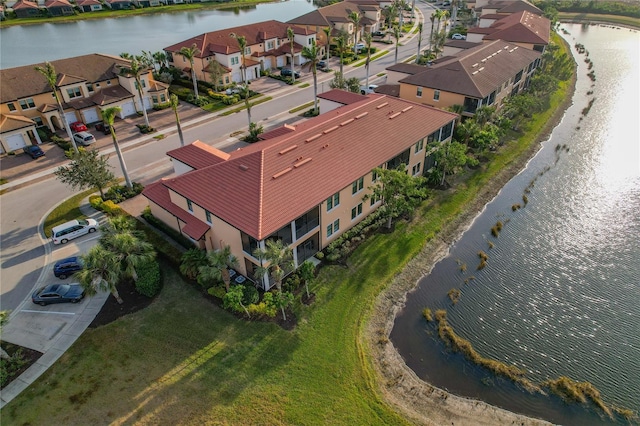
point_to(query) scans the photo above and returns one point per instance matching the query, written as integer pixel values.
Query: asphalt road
(26, 257)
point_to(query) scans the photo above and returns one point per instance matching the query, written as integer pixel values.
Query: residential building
(86, 85)
(303, 185)
(268, 46)
(523, 28)
(481, 76)
(336, 17)
(89, 5)
(26, 9)
(59, 7)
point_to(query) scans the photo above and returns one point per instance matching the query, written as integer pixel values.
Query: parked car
(286, 72)
(78, 126)
(105, 128)
(66, 267)
(458, 36)
(365, 90)
(321, 65)
(34, 151)
(378, 34)
(232, 91)
(84, 138)
(75, 228)
(358, 47)
(58, 293)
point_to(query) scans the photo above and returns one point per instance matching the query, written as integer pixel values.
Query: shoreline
(416, 399)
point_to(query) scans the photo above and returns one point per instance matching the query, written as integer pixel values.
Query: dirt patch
(112, 310)
(399, 385)
(27, 358)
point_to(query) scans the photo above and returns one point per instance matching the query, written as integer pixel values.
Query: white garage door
(90, 115)
(15, 142)
(128, 109)
(70, 117)
(147, 103)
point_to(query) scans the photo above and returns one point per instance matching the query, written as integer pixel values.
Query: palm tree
(160, 58)
(101, 272)
(130, 250)
(217, 267)
(49, 72)
(327, 32)
(419, 42)
(291, 34)
(368, 38)
(307, 273)
(397, 34)
(310, 53)
(189, 53)
(108, 116)
(390, 14)
(341, 43)
(242, 45)
(355, 18)
(137, 66)
(173, 101)
(400, 5)
(191, 262)
(278, 259)
(432, 18)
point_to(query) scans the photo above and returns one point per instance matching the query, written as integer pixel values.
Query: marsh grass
(515, 207)
(454, 295)
(427, 314)
(573, 391)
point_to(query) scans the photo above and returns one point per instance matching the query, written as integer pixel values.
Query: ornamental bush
(95, 201)
(149, 282)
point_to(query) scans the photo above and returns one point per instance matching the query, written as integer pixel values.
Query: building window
(374, 199)
(154, 98)
(207, 214)
(234, 60)
(247, 51)
(374, 175)
(419, 92)
(310, 41)
(333, 201)
(419, 145)
(90, 87)
(38, 121)
(11, 106)
(415, 169)
(226, 79)
(356, 211)
(270, 45)
(436, 95)
(27, 103)
(108, 82)
(357, 185)
(333, 228)
(74, 93)
(190, 205)
(163, 98)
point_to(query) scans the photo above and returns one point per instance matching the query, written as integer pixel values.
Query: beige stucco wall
(447, 99)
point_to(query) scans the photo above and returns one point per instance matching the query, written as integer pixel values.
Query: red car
(78, 126)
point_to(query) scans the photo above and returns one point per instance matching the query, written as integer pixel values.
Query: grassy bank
(625, 21)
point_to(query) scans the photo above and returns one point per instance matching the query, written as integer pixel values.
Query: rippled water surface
(561, 291)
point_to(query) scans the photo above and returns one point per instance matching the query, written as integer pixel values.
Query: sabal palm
(189, 53)
(217, 267)
(191, 262)
(137, 66)
(108, 116)
(275, 260)
(244, 91)
(341, 43)
(432, 18)
(368, 38)
(355, 18)
(173, 101)
(130, 250)
(101, 272)
(397, 34)
(310, 53)
(49, 73)
(419, 41)
(327, 32)
(291, 35)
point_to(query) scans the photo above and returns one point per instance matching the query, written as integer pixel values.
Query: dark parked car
(286, 72)
(66, 267)
(104, 128)
(58, 293)
(322, 65)
(34, 151)
(78, 126)
(378, 34)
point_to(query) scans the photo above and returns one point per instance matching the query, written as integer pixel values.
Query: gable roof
(24, 4)
(14, 122)
(222, 42)
(341, 96)
(510, 6)
(404, 68)
(25, 81)
(272, 182)
(337, 12)
(520, 27)
(198, 155)
(57, 3)
(476, 72)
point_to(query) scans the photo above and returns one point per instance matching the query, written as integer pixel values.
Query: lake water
(560, 292)
(30, 44)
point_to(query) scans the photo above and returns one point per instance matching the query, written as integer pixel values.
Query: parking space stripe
(47, 312)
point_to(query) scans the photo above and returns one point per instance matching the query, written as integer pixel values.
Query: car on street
(105, 128)
(58, 293)
(286, 72)
(365, 90)
(378, 34)
(78, 126)
(232, 91)
(458, 36)
(34, 151)
(84, 138)
(61, 234)
(66, 267)
(321, 65)
(358, 47)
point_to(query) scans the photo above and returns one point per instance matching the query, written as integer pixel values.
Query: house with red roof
(26, 9)
(304, 185)
(524, 28)
(268, 47)
(59, 7)
(89, 5)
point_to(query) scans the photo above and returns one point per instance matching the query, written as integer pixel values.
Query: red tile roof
(159, 194)
(270, 183)
(341, 96)
(24, 4)
(520, 27)
(198, 155)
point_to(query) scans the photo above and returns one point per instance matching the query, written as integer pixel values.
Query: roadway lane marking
(47, 312)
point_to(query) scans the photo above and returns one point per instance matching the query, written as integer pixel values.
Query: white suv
(365, 90)
(84, 138)
(67, 231)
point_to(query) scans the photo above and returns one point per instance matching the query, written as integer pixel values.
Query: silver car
(84, 138)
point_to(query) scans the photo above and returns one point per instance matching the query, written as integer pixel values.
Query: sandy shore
(399, 385)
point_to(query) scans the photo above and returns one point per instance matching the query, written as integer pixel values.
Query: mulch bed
(112, 310)
(29, 357)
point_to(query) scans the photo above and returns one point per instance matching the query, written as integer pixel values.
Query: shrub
(217, 291)
(160, 107)
(119, 193)
(249, 295)
(95, 201)
(292, 282)
(271, 309)
(111, 208)
(149, 282)
(144, 129)
(257, 309)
